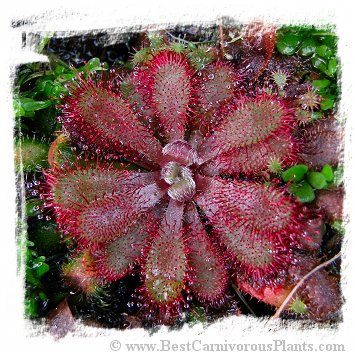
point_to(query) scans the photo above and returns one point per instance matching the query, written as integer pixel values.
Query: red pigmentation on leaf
(192, 215)
(208, 274)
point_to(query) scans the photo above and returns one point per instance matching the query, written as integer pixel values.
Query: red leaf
(110, 217)
(208, 275)
(171, 92)
(214, 89)
(115, 259)
(165, 265)
(251, 127)
(256, 223)
(96, 115)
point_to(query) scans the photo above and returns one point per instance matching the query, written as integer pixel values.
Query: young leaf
(317, 180)
(19, 111)
(319, 63)
(332, 66)
(40, 266)
(295, 173)
(31, 105)
(321, 83)
(303, 191)
(288, 43)
(327, 172)
(323, 51)
(327, 104)
(308, 47)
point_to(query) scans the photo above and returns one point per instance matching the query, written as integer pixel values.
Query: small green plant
(305, 182)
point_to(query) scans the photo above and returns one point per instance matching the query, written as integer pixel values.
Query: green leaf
(329, 39)
(30, 254)
(317, 180)
(44, 86)
(326, 104)
(329, 96)
(66, 77)
(59, 70)
(324, 34)
(32, 278)
(295, 173)
(321, 83)
(29, 114)
(94, 65)
(324, 51)
(319, 63)
(327, 172)
(31, 307)
(41, 74)
(19, 111)
(31, 105)
(23, 75)
(332, 66)
(50, 88)
(308, 47)
(288, 43)
(303, 192)
(56, 90)
(40, 266)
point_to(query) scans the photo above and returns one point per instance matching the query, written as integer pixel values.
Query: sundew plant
(181, 175)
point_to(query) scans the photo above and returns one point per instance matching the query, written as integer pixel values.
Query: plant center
(180, 178)
(178, 156)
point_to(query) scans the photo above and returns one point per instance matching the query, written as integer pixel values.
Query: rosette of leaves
(170, 182)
